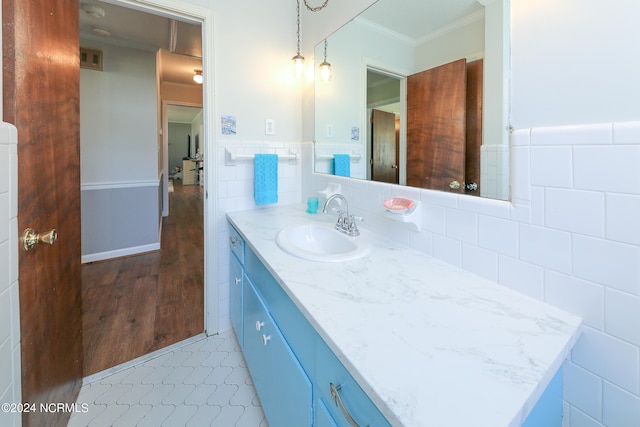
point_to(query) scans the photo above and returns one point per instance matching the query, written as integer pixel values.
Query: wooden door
(384, 147)
(436, 121)
(41, 98)
(474, 126)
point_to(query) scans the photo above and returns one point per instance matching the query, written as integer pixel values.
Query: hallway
(138, 304)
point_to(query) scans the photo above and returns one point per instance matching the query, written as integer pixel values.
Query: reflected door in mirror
(384, 147)
(474, 126)
(436, 127)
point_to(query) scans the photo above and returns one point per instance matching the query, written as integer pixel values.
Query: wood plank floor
(138, 304)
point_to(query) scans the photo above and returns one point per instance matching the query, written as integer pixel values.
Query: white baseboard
(101, 256)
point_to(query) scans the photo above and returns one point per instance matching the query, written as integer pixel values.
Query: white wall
(570, 234)
(119, 154)
(177, 144)
(463, 42)
(340, 103)
(197, 129)
(118, 120)
(574, 62)
(254, 43)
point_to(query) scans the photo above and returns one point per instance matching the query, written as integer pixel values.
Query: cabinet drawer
(323, 416)
(235, 298)
(329, 370)
(283, 386)
(236, 244)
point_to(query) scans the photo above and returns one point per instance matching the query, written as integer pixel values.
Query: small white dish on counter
(399, 205)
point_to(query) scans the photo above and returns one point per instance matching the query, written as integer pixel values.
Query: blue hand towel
(342, 164)
(265, 182)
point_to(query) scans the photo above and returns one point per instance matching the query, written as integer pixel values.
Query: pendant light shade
(197, 77)
(298, 65)
(325, 67)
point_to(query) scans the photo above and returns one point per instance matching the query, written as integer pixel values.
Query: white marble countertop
(431, 344)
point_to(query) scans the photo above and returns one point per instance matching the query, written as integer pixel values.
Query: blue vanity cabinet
(236, 261)
(236, 284)
(295, 327)
(322, 416)
(282, 384)
(290, 365)
(548, 409)
(339, 393)
(236, 244)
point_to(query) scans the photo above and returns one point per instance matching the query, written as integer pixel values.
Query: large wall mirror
(418, 96)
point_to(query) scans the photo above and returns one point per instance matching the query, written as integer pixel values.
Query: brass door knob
(30, 238)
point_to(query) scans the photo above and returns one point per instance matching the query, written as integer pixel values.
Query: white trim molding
(118, 184)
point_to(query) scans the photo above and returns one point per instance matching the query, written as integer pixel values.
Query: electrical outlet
(270, 127)
(329, 131)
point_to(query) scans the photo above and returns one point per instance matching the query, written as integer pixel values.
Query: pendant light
(298, 60)
(325, 67)
(197, 77)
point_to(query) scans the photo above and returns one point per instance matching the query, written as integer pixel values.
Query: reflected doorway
(384, 110)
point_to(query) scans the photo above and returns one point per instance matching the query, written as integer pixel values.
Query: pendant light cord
(298, 33)
(315, 9)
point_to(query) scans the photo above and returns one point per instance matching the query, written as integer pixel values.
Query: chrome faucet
(346, 223)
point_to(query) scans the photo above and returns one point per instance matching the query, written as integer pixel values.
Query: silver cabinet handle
(338, 401)
(234, 242)
(237, 280)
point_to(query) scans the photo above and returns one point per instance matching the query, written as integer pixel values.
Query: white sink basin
(321, 243)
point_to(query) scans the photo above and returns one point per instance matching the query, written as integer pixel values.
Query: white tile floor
(205, 383)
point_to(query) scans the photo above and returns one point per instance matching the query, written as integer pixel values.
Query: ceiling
(182, 114)
(416, 19)
(180, 42)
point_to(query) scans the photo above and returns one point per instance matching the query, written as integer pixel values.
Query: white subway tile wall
(235, 193)
(10, 387)
(494, 171)
(570, 236)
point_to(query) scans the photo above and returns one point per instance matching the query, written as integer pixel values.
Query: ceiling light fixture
(92, 10)
(197, 77)
(101, 31)
(298, 60)
(325, 67)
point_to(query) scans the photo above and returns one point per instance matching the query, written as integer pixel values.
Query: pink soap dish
(398, 205)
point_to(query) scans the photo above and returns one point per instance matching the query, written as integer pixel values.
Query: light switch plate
(270, 127)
